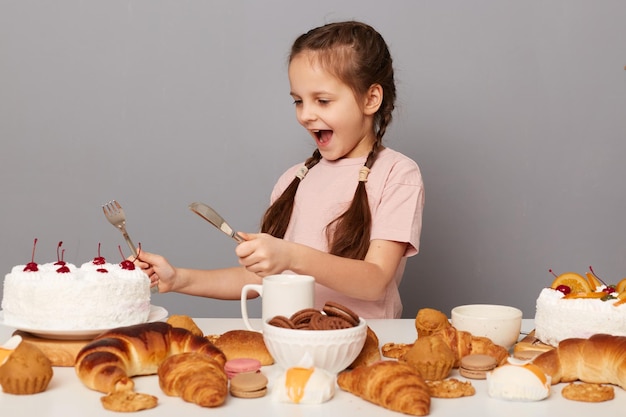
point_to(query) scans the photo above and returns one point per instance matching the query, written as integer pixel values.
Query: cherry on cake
(61, 296)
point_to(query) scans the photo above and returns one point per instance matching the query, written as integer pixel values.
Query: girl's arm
(367, 279)
(222, 284)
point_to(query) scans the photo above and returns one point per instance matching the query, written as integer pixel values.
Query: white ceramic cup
(282, 295)
(501, 324)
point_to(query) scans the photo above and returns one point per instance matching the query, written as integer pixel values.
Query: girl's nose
(307, 114)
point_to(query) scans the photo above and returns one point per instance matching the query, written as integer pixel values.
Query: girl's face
(340, 123)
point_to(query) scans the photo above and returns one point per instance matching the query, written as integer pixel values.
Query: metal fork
(115, 215)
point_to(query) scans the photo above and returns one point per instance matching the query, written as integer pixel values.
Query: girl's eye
(297, 102)
(323, 102)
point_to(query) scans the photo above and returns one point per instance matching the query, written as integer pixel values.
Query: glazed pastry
(195, 377)
(25, 369)
(518, 381)
(107, 363)
(393, 385)
(304, 385)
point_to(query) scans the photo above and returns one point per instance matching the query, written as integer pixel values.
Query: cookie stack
(333, 316)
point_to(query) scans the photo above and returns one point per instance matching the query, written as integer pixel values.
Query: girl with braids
(351, 214)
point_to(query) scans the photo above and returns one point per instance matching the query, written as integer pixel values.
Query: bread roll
(600, 359)
(107, 363)
(244, 344)
(429, 321)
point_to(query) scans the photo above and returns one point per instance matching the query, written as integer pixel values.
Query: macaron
(476, 366)
(241, 365)
(248, 385)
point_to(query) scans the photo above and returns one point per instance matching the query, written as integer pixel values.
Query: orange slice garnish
(621, 286)
(594, 282)
(576, 282)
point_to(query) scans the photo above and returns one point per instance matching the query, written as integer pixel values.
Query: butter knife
(210, 215)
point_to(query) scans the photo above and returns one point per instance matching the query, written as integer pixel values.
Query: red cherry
(609, 290)
(126, 264)
(564, 289)
(32, 265)
(102, 270)
(63, 270)
(99, 260)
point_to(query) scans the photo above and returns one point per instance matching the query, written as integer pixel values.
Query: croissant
(107, 363)
(464, 343)
(390, 384)
(600, 359)
(195, 377)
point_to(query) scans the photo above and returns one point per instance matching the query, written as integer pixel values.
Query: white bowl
(501, 324)
(331, 350)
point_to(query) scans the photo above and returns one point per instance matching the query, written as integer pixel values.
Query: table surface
(67, 397)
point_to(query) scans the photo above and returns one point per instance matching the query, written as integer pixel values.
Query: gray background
(514, 110)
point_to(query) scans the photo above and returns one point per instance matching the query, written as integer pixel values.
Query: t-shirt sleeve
(398, 216)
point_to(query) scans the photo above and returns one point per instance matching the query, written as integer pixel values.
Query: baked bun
(243, 344)
(432, 357)
(429, 321)
(26, 369)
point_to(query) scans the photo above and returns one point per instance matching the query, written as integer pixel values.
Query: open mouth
(323, 136)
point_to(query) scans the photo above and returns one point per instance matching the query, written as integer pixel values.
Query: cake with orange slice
(577, 306)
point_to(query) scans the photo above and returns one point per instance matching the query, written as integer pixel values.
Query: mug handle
(244, 302)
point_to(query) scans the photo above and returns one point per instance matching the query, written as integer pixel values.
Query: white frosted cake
(558, 318)
(61, 296)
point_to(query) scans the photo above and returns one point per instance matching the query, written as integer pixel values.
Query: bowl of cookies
(328, 339)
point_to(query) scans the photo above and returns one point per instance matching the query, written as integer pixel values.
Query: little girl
(352, 213)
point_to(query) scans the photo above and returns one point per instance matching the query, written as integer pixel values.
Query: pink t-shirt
(396, 196)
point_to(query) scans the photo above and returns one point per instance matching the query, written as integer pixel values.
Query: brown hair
(357, 55)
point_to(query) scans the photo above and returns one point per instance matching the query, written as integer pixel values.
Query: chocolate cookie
(334, 309)
(302, 318)
(281, 321)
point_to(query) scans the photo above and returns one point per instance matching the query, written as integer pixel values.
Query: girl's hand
(263, 254)
(158, 269)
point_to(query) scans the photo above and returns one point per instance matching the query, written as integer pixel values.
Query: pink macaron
(241, 365)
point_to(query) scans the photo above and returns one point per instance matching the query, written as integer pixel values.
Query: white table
(67, 397)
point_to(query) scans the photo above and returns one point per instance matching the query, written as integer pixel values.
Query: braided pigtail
(350, 233)
(278, 215)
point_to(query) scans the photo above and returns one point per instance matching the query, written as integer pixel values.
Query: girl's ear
(373, 99)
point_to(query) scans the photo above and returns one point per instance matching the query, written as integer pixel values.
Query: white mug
(282, 295)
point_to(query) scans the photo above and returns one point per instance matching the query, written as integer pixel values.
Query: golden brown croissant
(107, 363)
(464, 343)
(601, 359)
(195, 377)
(393, 385)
